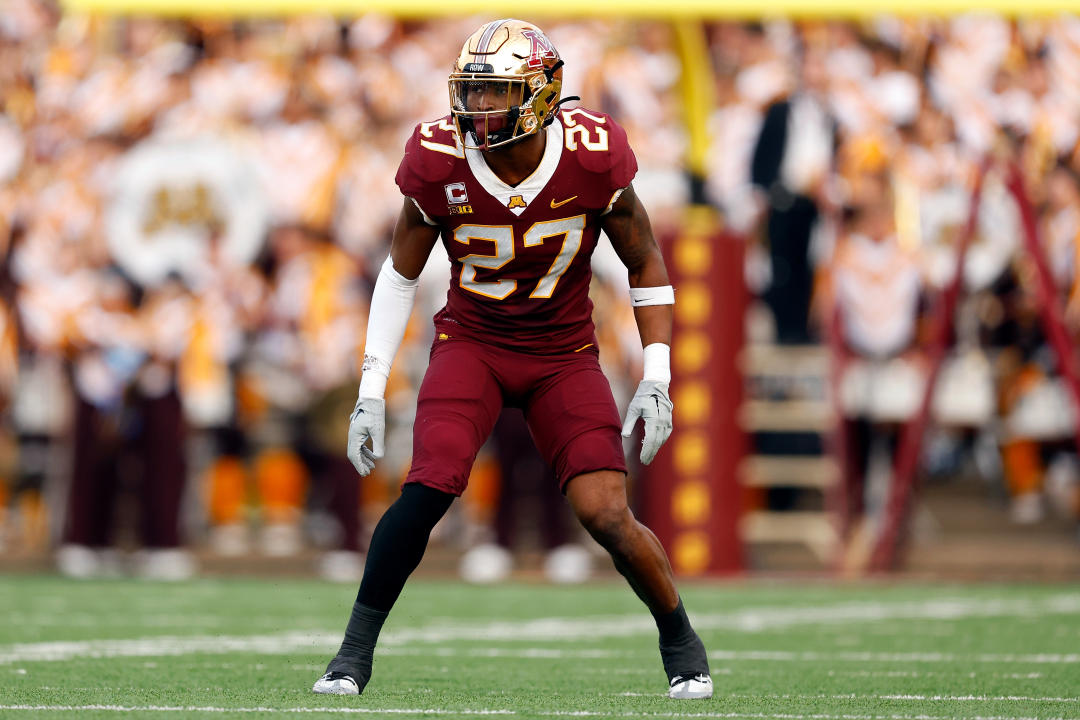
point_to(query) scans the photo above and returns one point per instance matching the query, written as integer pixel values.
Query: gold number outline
(574, 133)
(573, 231)
(502, 289)
(457, 149)
(571, 228)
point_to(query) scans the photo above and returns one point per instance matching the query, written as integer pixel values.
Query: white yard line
(908, 657)
(786, 716)
(289, 643)
(853, 696)
(902, 696)
(936, 609)
(964, 698)
(203, 709)
(756, 655)
(928, 674)
(149, 620)
(746, 620)
(494, 711)
(159, 646)
(584, 628)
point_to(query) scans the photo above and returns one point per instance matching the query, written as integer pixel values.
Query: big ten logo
(186, 206)
(460, 209)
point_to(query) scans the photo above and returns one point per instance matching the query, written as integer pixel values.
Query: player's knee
(607, 521)
(419, 507)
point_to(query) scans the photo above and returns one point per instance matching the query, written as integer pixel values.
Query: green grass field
(245, 648)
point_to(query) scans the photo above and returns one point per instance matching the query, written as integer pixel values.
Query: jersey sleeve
(623, 162)
(409, 178)
(616, 164)
(426, 162)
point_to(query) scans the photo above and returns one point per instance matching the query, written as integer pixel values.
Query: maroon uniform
(517, 326)
(521, 271)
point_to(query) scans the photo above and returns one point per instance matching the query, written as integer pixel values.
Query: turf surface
(244, 648)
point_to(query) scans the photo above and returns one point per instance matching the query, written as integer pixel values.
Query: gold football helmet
(505, 84)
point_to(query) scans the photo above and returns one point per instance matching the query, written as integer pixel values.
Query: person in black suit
(791, 160)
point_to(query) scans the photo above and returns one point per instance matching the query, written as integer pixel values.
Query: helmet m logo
(539, 48)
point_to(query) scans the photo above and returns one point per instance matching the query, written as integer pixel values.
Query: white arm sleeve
(657, 362)
(391, 305)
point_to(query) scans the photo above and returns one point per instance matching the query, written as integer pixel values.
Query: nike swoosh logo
(560, 204)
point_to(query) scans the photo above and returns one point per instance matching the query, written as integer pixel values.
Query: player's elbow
(648, 271)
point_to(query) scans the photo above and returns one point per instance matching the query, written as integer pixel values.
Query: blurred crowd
(192, 214)
(849, 154)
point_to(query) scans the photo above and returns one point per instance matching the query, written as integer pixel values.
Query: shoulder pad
(430, 155)
(600, 145)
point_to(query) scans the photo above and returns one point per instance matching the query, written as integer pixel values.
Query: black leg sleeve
(398, 544)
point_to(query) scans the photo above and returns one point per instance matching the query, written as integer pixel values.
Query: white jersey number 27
(572, 229)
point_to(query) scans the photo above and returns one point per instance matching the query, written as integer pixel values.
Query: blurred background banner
(179, 207)
(690, 496)
(195, 199)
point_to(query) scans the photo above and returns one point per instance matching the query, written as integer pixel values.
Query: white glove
(652, 404)
(368, 420)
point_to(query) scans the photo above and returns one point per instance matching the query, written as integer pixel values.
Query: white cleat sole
(697, 688)
(341, 686)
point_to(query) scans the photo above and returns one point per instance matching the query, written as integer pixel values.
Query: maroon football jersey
(520, 255)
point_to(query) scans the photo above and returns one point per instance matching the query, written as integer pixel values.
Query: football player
(518, 189)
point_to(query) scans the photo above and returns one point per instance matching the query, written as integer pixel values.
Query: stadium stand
(266, 150)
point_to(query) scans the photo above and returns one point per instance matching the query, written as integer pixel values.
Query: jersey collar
(527, 190)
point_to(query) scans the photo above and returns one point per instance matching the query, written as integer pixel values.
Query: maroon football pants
(566, 400)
